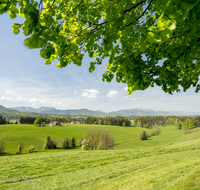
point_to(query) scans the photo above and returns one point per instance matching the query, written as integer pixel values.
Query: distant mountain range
(86, 112)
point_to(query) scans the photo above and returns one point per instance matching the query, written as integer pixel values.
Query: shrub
(50, 144)
(65, 143)
(73, 142)
(124, 124)
(39, 147)
(16, 122)
(20, 148)
(143, 135)
(98, 139)
(80, 141)
(31, 149)
(85, 144)
(2, 148)
(178, 125)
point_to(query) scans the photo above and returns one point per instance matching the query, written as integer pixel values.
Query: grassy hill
(171, 167)
(125, 137)
(168, 161)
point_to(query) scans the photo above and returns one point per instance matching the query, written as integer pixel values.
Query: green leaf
(15, 30)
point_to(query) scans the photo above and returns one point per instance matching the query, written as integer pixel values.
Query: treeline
(64, 119)
(2, 120)
(150, 121)
(188, 123)
(181, 122)
(119, 121)
(30, 120)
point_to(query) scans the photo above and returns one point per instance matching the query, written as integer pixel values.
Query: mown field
(170, 160)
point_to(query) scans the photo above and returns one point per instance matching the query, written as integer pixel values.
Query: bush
(124, 124)
(20, 148)
(155, 132)
(31, 149)
(98, 139)
(50, 144)
(39, 147)
(64, 143)
(143, 136)
(80, 140)
(85, 144)
(178, 125)
(73, 142)
(2, 148)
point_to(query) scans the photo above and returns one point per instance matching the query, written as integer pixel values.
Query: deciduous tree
(136, 35)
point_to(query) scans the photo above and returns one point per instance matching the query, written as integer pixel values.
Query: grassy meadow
(170, 160)
(125, 137)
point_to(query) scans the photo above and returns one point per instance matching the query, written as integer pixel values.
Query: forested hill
(14, 114)
(86, 112)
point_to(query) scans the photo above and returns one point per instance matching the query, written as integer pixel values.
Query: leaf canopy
(134, 34)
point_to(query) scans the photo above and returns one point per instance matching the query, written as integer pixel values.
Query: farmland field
(170, 160)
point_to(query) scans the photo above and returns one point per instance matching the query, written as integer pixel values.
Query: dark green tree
(143, 135)
(73, 142)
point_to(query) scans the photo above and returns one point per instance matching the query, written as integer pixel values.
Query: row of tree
(150, 121)
(30, 120)
(119, 121)
(189, 123)
(181, 122)
(2, 120)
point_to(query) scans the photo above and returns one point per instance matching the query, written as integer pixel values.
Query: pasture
(125, 137)
(168, 161)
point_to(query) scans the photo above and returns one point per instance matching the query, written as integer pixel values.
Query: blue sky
(27, 81)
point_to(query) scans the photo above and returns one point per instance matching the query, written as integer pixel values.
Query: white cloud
(8, 92)
(34, 100)
(75, 91)
(125, 88)
(135, 98)
(92, 93)
(20, 99)
(42, 101)
(112, 93)
(7, 98)
(57, 103)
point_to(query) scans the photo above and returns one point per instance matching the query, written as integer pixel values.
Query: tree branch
(136, 5)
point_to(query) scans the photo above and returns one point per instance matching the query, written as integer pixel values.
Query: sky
(26, 81)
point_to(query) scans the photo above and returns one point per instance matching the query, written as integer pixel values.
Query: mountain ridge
(87, 112)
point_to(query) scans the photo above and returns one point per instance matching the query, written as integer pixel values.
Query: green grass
(174, 166)
(125, 137)
(168, 161)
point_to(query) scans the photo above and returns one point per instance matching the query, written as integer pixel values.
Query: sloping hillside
(171, 167)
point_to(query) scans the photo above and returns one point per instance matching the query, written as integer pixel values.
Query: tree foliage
(20, 148)
(143, 136)
(2, 148)
(97, 139)
(135, 35)
(50, 143)
(2, 120)
(108, 121)
(38, 121)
